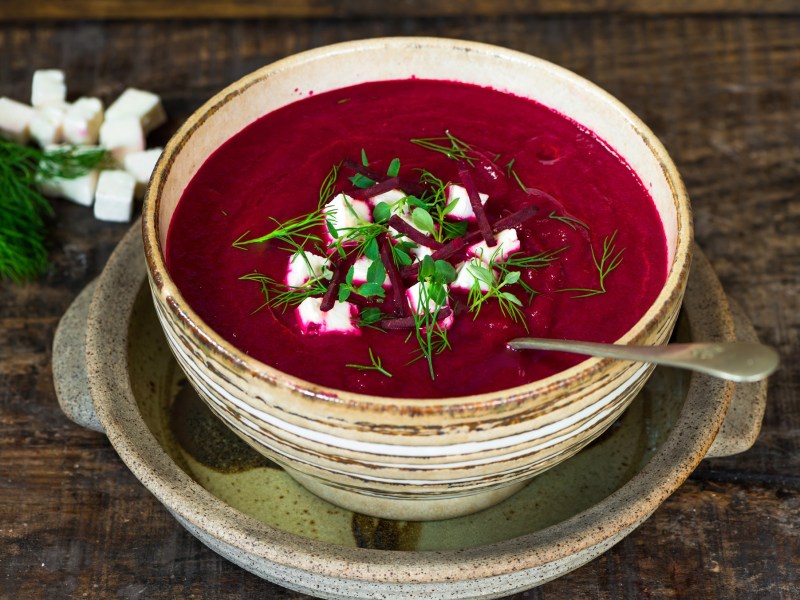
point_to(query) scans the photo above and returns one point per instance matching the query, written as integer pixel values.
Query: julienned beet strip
(413, 233)
(378, 188)
(362, 170)
(410, 322)
(477, 206)
(332, 292)
(516, 218)
(398, 288)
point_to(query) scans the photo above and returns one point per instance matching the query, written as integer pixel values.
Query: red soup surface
(590, 257)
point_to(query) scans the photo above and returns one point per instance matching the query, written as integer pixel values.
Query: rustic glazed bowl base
(244, 507)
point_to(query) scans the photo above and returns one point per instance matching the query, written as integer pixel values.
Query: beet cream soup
(389, 238)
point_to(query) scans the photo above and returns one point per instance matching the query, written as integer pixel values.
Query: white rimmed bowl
(411, 458)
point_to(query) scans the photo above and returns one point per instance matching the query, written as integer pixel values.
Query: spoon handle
(735, 361)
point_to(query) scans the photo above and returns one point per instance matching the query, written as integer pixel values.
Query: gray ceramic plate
(110, 346)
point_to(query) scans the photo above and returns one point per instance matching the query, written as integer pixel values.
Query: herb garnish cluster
(413, 249)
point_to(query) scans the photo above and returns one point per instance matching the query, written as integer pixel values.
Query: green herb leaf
(364, 160)
(422, 220)
(361, 181)
(394, 168)
(381, 212)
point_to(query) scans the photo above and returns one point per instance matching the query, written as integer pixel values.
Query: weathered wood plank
(349, 9)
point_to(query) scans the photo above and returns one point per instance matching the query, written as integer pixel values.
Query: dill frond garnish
(23, 254)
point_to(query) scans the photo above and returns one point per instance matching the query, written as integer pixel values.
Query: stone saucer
(114, 373)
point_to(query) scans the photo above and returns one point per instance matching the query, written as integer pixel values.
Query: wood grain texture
(350, 9)
(722, 92)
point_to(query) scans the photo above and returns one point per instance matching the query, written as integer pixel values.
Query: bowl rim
(686, 445)
(501, 400)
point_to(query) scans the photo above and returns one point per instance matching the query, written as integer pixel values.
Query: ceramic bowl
(411, 458)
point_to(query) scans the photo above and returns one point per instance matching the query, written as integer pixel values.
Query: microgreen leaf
(381, 212)
(361, 181)
(376, 273)
(364, 160)
(394, 168)
(423, 220)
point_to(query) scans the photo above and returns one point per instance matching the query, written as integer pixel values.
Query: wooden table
(719, 82)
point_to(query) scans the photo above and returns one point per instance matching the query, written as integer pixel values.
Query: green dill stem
(608, 261)
(376, 365)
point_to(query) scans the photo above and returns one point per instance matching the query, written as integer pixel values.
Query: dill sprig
(571, 221)
(23, 254)
(450, 146)
(375, 365)
(609, 260)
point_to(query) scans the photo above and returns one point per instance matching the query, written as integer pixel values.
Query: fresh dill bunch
(23, 254)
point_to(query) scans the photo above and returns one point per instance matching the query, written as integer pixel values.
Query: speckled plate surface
(110, 346)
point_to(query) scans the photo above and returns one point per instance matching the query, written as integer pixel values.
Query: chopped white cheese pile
(463, 207)
(507, 243)
(339, 319)
(121, 130)
(113, 200)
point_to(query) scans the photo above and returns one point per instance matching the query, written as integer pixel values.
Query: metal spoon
(735, 361)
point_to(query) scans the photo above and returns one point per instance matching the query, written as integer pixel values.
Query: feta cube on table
(141, 164)
(15, 120)
(114, 196)
(47, 125)
(79, 190)
(82, 121)
(339, 319)
(298, 273)
(507, 243)
(122, 137)
(48, 88)
(143, 106)
(463, 207)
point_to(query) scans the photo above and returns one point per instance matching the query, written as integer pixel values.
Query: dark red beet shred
(274, 168)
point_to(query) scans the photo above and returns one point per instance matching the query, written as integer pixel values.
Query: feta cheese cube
(414, 296)
(113, 199)
(82, 121)
(421, 252)
(468, 274)
(345, 213)
(15, 120)
(305, 267)
(122, 136)
(390, 197)
(47, 125)
(48, 88)
(507, 243)
(360, 269)
(463, 207)
(141, 165)
(143, 106)
(79, 190)
(339, 319)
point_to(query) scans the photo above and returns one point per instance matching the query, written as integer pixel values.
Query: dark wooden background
(718, 81)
